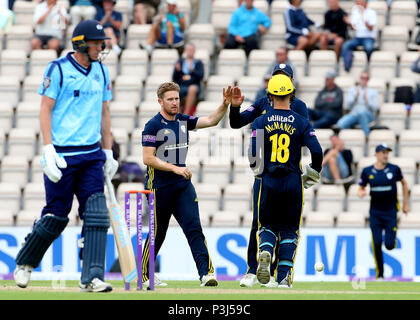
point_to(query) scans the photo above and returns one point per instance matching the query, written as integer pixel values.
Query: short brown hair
(166, 86)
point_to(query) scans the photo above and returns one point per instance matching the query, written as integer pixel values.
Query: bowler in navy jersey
(382, 178)
(165, 144)
(275, 155)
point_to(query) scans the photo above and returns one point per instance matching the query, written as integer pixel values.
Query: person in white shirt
(362, 105)
(50, 22)
(363, 21)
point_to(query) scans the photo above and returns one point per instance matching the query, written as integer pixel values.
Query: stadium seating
(259, 61)
(350, 220)
(226, 219)
(237, 197)
(134, 62)
(218, 156)
(14, 169)
(319, 219)
(13, 62)
(208, 195)
(231, 62)
(403, 13)
(330, 198)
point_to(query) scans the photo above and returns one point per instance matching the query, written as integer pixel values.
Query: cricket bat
(122, 237)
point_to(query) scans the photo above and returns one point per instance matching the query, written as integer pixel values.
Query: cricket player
(74, 118)
(382, 178)
(239, 119)
(275, 154)
(165, 144)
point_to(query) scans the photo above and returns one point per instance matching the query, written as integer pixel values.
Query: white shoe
(263, 270)
(96, 285)
(22, 275)
(271, 284)
(248, 280)
(158, 283)
(209, 280)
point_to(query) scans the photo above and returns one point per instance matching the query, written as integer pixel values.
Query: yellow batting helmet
(280, 85)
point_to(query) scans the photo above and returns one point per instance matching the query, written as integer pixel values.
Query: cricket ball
(319, 266)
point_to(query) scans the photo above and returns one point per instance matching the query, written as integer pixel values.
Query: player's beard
(172, 110)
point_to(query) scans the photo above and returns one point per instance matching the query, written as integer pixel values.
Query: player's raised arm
(238, 119)
(214, 118)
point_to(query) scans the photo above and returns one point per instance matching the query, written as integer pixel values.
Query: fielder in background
(165, 144)
(239, 119)
(74, 117)
(275, 154)
(382, 178)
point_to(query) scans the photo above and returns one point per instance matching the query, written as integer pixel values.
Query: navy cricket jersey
(383, 187)
(170, 138)
(239, 119)
(283, 133)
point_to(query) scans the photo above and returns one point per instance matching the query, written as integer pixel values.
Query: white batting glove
(51, 161)
(310, 177)
(111, 165)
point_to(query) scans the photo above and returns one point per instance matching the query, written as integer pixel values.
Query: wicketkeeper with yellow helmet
(275, 155)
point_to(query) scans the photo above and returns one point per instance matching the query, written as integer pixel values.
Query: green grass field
(227, 290)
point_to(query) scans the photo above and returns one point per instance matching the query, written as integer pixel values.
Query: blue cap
(382, 147)
(89, 30)
(283, 67)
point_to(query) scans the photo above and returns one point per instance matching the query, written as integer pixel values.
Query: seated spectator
(50, 22)
(188, 74)
(145, 11)
(246, 26)
(328, 104)
(363, 20)
(362, 104)
(112, 22)
(415, 67)
(335, 27)
(298, 25)
(283, 57)
(81, 10)
(263, 91)
(168, 29)
(337, 162)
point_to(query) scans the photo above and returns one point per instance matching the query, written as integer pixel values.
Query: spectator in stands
(168, 29)
(415, 67)
(337, 162)
(188, 74)
(50, 21)
(282, 56)
(363, 20)
(263, 91)
(145, 11)
(328, 103)
(7, 16)
(112, 22)
(362, 104)
(81, 10)
(298, 25)
(246, 26)
(336, 21)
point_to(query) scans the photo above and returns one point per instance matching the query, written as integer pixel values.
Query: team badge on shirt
(389, 175)
(46, 83)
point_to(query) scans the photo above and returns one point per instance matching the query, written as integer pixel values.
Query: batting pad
(95, 224)
(44, 232)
